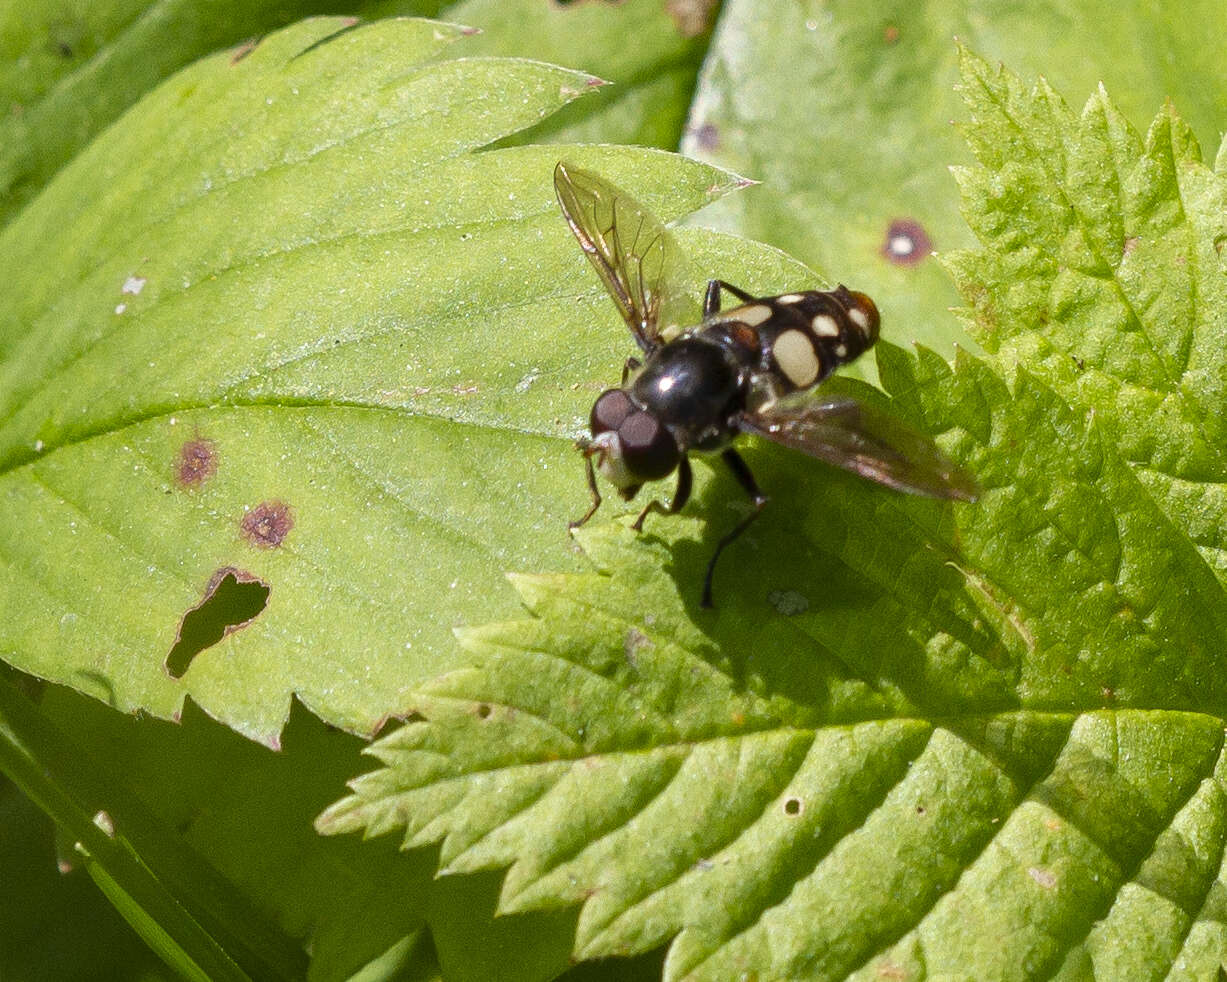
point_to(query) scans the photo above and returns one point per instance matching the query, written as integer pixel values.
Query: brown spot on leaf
(907, 243)
(1131, 243)
(691, 17)
(706, 136)
(267, 525)
(890, 34)
(243, 50)
(231, 601)
(197, 463)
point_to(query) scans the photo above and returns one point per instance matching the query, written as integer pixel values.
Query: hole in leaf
(792, 806)
(484, 711)
(233, 600)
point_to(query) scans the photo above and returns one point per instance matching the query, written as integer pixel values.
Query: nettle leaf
(1103, 270)
(915, 741)
(289, 360)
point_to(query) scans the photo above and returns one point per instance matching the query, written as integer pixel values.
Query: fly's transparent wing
(633, 253)
(858, 438)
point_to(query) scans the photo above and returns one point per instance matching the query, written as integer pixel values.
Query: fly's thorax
(690, 384)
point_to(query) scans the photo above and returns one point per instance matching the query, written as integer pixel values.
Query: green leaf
(916, 740)
(248, 813)
(1103, 271)
(974, 747)
(69, 69)
(843, 110)
(54, 926)
(284, 329)
(652, 78)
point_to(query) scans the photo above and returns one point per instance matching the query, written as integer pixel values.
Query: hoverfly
(745, 369)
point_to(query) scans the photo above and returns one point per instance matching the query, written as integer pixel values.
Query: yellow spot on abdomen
(796, 357)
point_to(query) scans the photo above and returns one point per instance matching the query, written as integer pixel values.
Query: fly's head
(631, 445)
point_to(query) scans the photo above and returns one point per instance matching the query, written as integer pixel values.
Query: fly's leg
(632, 365)
(711, 300)
(680, 497)
(596, 495)
(740, 471)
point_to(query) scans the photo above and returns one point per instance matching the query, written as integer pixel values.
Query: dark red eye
(611, 407)
(648, 449)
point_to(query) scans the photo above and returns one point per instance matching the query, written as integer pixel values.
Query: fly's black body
(741, 370)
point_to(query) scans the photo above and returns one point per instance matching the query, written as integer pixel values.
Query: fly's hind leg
(711, 300)
(680, 497)
(740, 471)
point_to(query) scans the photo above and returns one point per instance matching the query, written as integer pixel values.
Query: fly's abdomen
(802, 337)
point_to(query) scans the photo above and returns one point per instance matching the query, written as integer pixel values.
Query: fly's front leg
(711, 300)
(742, 472)
(632, 365)
(680, 497)
(596, 495)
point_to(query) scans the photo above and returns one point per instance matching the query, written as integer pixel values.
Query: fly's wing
(858, 438)
(635, 256)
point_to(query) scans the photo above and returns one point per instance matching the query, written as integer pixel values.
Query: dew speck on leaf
(267, 525)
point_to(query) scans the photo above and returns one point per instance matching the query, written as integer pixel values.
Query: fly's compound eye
(648, 449)
(609, 411)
